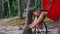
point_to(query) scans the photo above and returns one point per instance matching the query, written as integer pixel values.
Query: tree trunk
(8, 7)
(1, 9)
(10, 2)
(39, 1)
(25, 4)
(29, 16)
(19, 9)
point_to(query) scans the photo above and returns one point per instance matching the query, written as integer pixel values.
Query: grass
(19, 22)
(14, 23)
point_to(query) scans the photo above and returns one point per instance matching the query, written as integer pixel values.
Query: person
(39, 25)
(53, 14)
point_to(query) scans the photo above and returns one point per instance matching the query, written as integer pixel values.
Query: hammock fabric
(54, 11)
(46, 4)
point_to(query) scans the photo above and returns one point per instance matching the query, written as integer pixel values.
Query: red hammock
(53, 9)
(46, 4)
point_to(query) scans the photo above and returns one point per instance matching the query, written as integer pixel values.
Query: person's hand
(30, 26)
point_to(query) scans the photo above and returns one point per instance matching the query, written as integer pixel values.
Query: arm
(38, 20)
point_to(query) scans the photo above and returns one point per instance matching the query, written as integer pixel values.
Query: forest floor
(12, 21)
(12, 26)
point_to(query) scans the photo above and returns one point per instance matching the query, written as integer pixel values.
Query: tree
(19, 9)
(1, 9)
(10, 2)
(29, 16)
(8, 7)
(25, 4)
